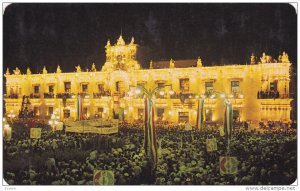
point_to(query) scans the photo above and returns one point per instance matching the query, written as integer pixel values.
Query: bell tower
(121, 56)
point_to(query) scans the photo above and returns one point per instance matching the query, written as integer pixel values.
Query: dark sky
(70, 34)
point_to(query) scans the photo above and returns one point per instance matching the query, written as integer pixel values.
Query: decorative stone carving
(78, 68)
(199, 62)
(172, 63)
(17, 71)
(28, 71)
(93, 68)
(45, 70)
(58, 70)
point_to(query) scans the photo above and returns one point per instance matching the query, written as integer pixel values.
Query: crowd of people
(60, 158)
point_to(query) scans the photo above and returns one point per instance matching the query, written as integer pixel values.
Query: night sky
(70, 34)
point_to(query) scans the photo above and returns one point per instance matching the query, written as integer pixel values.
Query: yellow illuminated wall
(121, 72)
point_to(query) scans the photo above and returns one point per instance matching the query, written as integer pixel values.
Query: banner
(35, 133)
(228, 122)
(7, 132)
(103, 177)
(199, 124)
(79, 108)
(188, 127)
(228, 165)
(211, 145)
(150, 144)
(100, 126)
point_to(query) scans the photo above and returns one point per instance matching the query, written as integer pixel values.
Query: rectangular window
(183, 117)
(66, 113)
(208, 115)
(36, 89)
(36, 111)
(120, 87)
(84, 87)
(184, 85)
(236, 115)
(209, 87)
(100, 112)
(273, 85)
(160, 113)
(235, 86)
(51, 89)
(161, 84)
(11, 91)
(100, 88)
(50, 111)
(67, 86)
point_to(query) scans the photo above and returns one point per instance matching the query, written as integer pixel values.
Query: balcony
(64, 95)
(34, 96)
(271, 95)
(101, 94)
(49, 95)
(12, 96)
(177, 95)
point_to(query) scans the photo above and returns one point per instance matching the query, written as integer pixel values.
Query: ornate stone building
(258, 92)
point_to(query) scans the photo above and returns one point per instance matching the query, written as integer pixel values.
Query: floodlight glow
(171, 92)
(137, 91)
(161, 93)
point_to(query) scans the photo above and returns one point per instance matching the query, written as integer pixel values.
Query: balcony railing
(49, 95)
(34, 96)
(64, 95)
(271, 95)
(12, 96)
(101, 94)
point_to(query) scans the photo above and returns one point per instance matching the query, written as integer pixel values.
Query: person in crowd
(58, 158)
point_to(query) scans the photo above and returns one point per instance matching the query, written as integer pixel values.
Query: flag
(228, 165)
(211, 145)
(228, 122)
(200, 114)
(103, 177)
(79, 108)
(150, 144)
(35, 133)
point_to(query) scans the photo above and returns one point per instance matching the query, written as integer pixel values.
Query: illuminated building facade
(258, 91)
